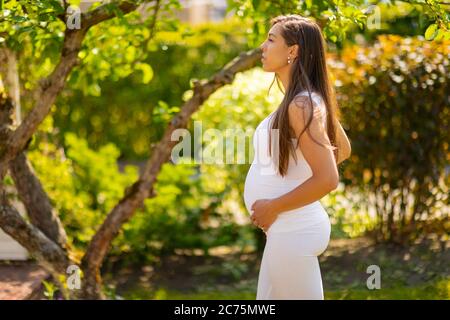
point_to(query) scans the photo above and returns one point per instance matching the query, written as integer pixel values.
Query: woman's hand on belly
(263, 214)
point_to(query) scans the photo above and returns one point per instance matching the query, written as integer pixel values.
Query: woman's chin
(264, 67)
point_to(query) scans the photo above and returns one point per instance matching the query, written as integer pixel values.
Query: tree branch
(48, 253)
(28, 185)
(103, 12)
(36, 201)
(141, 189)
(10, 74)
(6, 110)
(51, 86)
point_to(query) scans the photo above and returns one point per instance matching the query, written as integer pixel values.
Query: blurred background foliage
(400, 87)
(139, 111)
(203, 203)
(392, 84)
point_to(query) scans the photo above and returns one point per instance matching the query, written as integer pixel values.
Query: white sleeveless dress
(289, 267)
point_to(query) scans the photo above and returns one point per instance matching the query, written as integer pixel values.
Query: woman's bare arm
(343, 143)
(325, 175)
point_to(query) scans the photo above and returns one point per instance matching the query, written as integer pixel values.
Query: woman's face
(274, 51)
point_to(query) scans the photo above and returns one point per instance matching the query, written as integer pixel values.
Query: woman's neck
(284, 76)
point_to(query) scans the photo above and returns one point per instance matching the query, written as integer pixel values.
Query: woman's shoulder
(301, 109)
(317, 97)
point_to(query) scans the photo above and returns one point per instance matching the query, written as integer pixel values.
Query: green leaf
(18, 19)
(56, 5)
(431, 32)
(440, 35)
(147, 72)
(447, 35)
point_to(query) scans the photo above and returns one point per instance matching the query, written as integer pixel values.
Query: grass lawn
(420, 271)
(437, 290)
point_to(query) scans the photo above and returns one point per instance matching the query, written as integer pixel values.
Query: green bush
(394, 105)
(85, 184)
(201, 205)
(139, 111)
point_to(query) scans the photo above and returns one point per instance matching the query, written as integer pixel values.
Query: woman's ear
(294, 50)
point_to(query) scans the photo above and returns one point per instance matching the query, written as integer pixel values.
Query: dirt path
(20, 280)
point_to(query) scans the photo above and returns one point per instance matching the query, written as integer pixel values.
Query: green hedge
(394, 104)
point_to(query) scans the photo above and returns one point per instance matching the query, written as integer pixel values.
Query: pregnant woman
(297, 150)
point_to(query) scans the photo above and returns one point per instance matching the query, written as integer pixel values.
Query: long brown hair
(308, 73)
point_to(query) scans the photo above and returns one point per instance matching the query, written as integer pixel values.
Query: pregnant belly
(264, 186)
(268, 186)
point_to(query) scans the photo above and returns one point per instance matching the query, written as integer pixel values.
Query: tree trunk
(45, 238)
